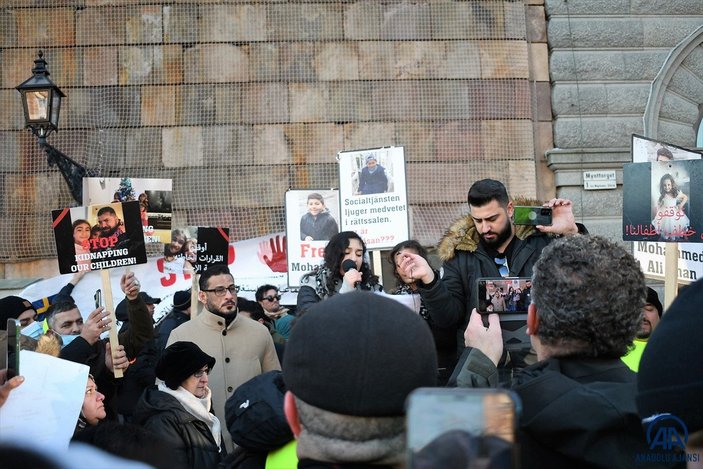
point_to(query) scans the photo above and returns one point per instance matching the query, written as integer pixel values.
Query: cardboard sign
(98, 237)
(373, 194)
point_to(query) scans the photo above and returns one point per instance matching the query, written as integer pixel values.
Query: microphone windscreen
(348, 265)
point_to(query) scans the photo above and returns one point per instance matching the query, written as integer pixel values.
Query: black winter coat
(189, 437)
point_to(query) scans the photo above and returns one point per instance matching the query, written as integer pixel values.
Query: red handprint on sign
(273, 254)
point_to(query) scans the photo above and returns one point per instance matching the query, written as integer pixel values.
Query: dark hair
(211, 272)
(411, 245)
(674, 187)
(255, 310)
(334, 252)
(316, 196)
(663, 151)
(105, 210)
(60, 306)
(583, 312)
(484, 191)
(80, 221)
(259, 295)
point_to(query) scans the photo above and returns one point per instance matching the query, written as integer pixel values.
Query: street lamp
(41, 101)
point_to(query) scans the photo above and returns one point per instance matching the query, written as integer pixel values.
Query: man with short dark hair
(651, 315)
(270, 299)
(244, 348)
(578, 400)
(111, 227)
(82, 343)
(485, 243)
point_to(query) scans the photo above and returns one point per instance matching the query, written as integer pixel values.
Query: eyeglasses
(200, 373)
(502, 264)
(222, 291)
(271, 298)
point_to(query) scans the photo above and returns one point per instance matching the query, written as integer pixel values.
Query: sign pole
(114, 341)
(671, 273)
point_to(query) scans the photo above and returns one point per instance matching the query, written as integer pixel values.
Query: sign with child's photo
(663, 200)
(98, 237)
(373, 195)
(312, 218)
(153, 195)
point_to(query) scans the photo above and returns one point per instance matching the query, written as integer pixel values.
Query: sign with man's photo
(153, 195)
(98, 237)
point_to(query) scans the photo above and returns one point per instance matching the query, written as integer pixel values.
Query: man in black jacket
(578, 400)
(484, 243)
(85, 345)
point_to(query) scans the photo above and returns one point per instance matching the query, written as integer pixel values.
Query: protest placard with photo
(98, 237)
(153, 195)
(663, 201)
(312, 218)
(212, 247)
(373, 195)
(651, 254)
(192, 249)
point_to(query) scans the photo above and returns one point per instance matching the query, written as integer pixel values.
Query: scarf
(198, 407)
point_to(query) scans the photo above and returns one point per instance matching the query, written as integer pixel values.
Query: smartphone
(98, 298)
(532, 215)
(509, 297)
(13, 348)
(450, 420)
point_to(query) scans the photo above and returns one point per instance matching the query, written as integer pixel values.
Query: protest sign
(651, 255)
(153, 195)
(373, 195)
(312, 218)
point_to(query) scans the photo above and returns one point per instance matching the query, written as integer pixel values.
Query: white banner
(253, 262)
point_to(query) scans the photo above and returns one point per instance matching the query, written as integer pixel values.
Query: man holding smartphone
(578, 400)
(485, 243)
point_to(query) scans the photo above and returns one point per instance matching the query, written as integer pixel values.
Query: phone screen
(13, 348)
(504, 295)
(98, 298)
(443, 416)
(532, 215)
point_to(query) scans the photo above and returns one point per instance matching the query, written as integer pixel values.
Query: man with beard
(243, 348)
(111, 226)
(651, 314)
(485, 243)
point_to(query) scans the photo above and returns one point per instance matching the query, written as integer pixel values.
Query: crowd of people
(324, 383)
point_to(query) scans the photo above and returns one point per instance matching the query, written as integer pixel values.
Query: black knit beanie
(179, 361)
(359, 354)
(11, 307)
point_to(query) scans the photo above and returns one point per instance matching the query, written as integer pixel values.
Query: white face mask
(34, 330)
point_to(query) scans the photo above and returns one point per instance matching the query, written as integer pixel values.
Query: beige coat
(243, 350)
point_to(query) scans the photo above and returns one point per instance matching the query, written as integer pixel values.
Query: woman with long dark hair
(444, 338)
(334, 276)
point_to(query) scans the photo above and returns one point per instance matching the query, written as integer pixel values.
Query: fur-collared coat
(451, 299)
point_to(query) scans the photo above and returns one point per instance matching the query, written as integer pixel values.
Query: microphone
(350, 265)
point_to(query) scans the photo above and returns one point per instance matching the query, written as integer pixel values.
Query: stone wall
(240, 101)
(604, 58)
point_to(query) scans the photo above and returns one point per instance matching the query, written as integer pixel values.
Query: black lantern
(41, 100)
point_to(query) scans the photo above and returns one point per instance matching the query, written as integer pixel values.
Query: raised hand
(130, 285)
(119, 361)
(97, 322)
(563, 221)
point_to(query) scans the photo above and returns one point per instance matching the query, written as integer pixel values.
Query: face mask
(34, 330)
(67, 339)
